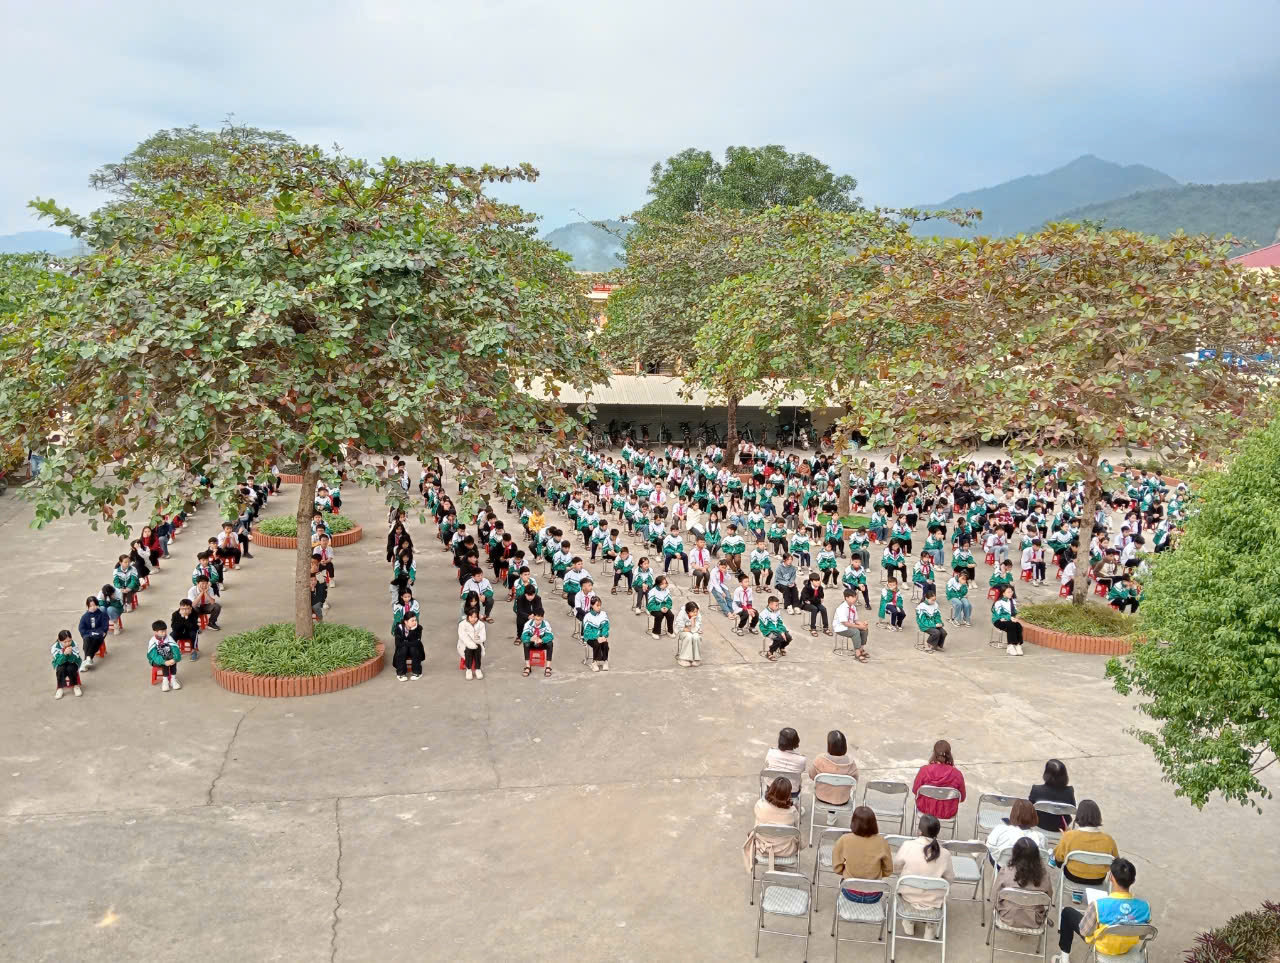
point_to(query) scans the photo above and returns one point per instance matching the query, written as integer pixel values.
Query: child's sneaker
(88, 664)
(595, 666)
(57, 693)
(164, 685)
(1008, 649)
(470, 675)
(402, 678)
(655, 635)
(79, 691)
(415, 675)
(479, 674)
(174, 683)
(604, 666)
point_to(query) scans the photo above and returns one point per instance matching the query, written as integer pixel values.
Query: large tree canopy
(1073, 338)
(281, 301)
(1210, 666)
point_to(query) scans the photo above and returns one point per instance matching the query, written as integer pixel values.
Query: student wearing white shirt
(744, 606)
(721, 587)
(850, 626)
(1067, 580)
(700, 559)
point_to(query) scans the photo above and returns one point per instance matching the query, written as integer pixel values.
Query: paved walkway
(510, 817)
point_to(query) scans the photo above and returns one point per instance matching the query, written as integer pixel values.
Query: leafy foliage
(1252, 937)
(1093, 619)
(1074, 338)
(277, 650)
(1210, 668)
(286, 526)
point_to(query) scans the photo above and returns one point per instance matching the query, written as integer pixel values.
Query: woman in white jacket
(471, 639)
(688, 632)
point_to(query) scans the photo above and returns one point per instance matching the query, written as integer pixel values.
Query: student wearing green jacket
(66, 664)
(773, 629)
(595, 632)
(1004, 616)
(929, 619)
(958, 596)
(537, 635)
(164, 654)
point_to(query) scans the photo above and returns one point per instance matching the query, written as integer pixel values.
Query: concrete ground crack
(208, 799)
(337, 873)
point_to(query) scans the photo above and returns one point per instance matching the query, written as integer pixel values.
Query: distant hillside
(1249, 211)
(592, 249)
(27, 241)
(1023, 204)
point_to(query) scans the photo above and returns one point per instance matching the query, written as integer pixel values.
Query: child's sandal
(547, 670)
(526, 671)
(826, 631)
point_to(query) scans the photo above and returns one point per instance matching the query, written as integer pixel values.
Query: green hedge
(1247, 938)
(285, 526)
(849, 521)
(1091, 618)
(276, 650)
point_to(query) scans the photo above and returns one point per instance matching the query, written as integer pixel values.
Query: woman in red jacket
(940, 770)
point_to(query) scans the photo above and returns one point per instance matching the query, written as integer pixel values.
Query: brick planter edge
(286, 479)
(349, 537)
(287, 686)
(1084, 644)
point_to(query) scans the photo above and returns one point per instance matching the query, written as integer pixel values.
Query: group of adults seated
(1016, 846)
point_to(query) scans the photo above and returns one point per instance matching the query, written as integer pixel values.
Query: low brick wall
(290, 479)
(269, 686)
(1084, 644)
(349, 537)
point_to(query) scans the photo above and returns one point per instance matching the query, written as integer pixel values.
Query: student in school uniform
(892, 606)
(409, 653)
(471, 641)
(481, 587)
(582, 601)
(204, 602)
(848, 624)
(93, 628)
(773, 629)
(1004, 616)
(744, 606)
(659, 604)
(929, 620)
(761, 565)
(66, 665)
(595, 632)
(184, 626)
(958, 596)
(855, 577)
(700, 560)
(537, 634)
(672, 549)
(163, 653)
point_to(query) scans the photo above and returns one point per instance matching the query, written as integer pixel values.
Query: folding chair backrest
(1056, 809)
(1089, 859)
(778, 831)
(885, 787)
(834, 779)
(924, 882)
(1144, 932)
(767, 776)
(992, 801)
(1027, 897)
(830, 836)
(895, 841)
(965, 847)
(939, 792)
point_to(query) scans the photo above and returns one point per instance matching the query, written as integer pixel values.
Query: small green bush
(1088, 619)
(1247, 938)
(285, 526)
(849, 521)
(276, 650)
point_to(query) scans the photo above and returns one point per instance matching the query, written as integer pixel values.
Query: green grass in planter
(1092, 618)
(275, 650)
(849, 521)
(287, 525)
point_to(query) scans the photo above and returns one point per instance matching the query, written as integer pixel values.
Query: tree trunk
(1092, 494)
(845, 472)
(302, 622)
(731, 434)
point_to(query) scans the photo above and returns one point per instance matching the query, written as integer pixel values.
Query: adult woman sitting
(1085, 836)
(939, 771)
(862, 853)
(835, 761)
(1021, 824)
(774, 808)
(786, 758)
(923, 856)
(688, 630)
(1025, 870)
(1056, 787)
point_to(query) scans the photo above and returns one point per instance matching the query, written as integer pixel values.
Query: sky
(918, 101)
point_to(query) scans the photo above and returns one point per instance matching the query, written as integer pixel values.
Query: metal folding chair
(1055, 809)
(785, 894)
(822, 864)
(882, 806)
(940, 793)
(1068, 890)
(905, 911)
(779, 832)
(1145, 933)
(992, 809)
(968, 861)
(1021, 897)
(831, 809)
(868, 914)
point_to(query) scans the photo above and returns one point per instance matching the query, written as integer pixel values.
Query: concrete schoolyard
(590, 815)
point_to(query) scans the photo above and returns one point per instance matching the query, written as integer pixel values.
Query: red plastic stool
(1026, 575)
(1063, 592)
(993, 593)
(120, 622)
(229, 563)
(204, 621)
(872, 537)
(133, 602)
(102, 650)
(462, 662)
(155, 675)
(186, 645)
(145, 583)
(538, 657)
(990, 558)
(1099, 590)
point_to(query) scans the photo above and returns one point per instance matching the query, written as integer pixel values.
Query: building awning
(1264, 257)
(656, 390)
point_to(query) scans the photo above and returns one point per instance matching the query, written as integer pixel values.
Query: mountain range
(593, 248)
(53, 242)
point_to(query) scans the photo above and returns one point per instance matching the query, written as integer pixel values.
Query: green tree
(1209, 667)
(287, 303)
(1073, 338)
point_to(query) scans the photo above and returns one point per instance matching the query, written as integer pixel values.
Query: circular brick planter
(1084, 644)
(349, 537)
(270, 686)
(286, 479)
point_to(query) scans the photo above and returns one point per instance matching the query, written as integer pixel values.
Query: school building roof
(1264, 257)
(657, 390)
